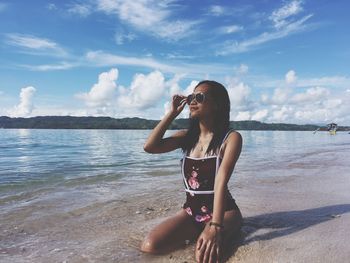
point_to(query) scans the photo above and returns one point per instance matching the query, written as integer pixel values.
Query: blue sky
(281, 61)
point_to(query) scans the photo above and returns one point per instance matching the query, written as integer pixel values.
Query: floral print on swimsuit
(193, 180)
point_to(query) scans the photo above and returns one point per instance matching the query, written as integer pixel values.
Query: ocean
(32, 159)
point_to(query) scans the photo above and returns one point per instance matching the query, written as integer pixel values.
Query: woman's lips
(193, 108)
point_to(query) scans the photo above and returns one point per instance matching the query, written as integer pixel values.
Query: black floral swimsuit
(199, 177)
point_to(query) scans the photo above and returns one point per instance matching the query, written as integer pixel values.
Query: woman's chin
(193, 115)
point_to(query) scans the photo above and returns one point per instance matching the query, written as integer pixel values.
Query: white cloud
(291, 77)
(242, 69)
(260, 115)
(190, 88)
(173, 85)
(175, 30)
(280, 96)
(29, 42)
(149, 16)
(239, 94)
(216, 10)
(246, 45)
(281, 114)
(51, 6)
(333, 81)
(332, 103)
(311, 95)
(280, 15)
(176, 89)
(103, 92)
(25, 106)
(121, 37)
(82, 10)
(145, 91)
(100, 58)
(314, 115)
(229, 29)
(105, 59)
(242, 116)
(50, 67)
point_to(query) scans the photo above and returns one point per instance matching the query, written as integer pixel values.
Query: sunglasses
(199, 97)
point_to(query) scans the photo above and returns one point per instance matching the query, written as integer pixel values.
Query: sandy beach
(295, 210)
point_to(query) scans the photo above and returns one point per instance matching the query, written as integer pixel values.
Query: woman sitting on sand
(210, 214)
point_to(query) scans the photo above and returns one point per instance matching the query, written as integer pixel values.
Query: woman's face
(204, 109)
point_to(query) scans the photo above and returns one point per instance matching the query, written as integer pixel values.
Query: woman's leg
(170, 234)
(232, 224)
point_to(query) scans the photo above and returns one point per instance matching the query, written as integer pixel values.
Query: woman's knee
(149, 245)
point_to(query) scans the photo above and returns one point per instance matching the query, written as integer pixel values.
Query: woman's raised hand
(178, 104)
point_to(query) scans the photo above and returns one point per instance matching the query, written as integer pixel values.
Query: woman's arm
(231, 155)
(155, 142)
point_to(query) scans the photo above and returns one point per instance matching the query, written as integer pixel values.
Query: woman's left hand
(208, 248)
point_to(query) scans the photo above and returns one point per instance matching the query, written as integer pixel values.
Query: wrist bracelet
(216, 224)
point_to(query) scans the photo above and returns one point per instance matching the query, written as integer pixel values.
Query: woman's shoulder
(233, 140)
(234, 136)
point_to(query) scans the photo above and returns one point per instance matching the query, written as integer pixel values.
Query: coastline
(297, 210)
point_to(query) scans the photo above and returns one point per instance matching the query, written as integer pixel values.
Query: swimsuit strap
(222, 143)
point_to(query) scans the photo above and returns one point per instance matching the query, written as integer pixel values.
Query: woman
(210, 214)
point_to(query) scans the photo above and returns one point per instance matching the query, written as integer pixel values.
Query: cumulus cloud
(145, 91)
(260, 115)
(239, 94)
(241, 103)
(281, 114)
(311, 95)
(178, 90)
(103, 92)
(280, 95)
(291, 77)
(242, 116)
(25, 106)
(190, 88)
(173, 85)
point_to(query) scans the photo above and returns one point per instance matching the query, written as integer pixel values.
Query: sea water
(32, 159)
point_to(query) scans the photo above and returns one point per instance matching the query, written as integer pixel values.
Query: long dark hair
(221, 118)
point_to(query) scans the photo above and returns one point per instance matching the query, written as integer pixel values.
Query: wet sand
(294, 211)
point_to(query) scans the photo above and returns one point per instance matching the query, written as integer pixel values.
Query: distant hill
(69, 122)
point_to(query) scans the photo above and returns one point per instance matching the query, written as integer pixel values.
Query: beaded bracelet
(216, 224)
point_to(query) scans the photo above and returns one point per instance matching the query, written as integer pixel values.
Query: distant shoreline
(71, 122)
